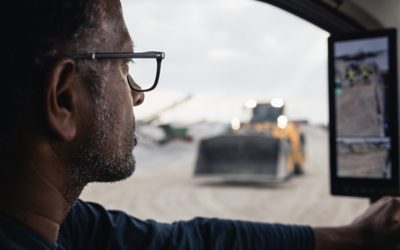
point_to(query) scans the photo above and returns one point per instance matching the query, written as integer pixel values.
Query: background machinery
(151, 129)
(267, 148)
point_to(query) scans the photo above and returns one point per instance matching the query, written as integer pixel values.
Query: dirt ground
(357, 110)
(163, 188)
(370, 165)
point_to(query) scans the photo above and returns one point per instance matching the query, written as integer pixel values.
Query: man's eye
(125, 68)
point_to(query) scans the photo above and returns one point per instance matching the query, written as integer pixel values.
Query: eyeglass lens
(143, 72)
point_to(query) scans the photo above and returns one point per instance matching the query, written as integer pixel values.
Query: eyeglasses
(140, 71)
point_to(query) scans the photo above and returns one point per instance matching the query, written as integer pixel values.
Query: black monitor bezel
(365, 187)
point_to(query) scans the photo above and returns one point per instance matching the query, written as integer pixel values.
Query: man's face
(106, 154)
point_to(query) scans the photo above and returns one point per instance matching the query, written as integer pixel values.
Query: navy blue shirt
(90, 226)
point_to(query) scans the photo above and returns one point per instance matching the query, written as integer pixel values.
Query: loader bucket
(240, 154)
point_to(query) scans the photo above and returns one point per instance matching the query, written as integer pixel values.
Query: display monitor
(363, 112)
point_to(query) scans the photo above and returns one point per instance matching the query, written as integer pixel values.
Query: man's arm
(90, 226)
(209, 233)
(376, 228)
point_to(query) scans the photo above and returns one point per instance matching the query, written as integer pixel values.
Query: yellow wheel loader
(268, 148)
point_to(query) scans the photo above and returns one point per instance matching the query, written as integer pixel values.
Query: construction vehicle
(147, 127)
(267, 148)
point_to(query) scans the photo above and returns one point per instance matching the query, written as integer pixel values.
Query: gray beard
(98, 158)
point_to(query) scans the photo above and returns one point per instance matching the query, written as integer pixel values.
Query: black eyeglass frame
(159, 56)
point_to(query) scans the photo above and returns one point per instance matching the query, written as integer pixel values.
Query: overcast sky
(224, 52)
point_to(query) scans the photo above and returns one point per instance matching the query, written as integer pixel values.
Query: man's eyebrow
(126, 43)
(131, 44)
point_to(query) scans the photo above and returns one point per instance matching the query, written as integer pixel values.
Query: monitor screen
(363, 113)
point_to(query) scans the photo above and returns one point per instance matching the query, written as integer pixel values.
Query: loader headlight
(277, 103)
(250, 104)
(235, 123)
(282, 121)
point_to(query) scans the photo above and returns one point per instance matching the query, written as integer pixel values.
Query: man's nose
(137, 97)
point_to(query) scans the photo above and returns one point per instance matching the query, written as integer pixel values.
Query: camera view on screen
(362, 129)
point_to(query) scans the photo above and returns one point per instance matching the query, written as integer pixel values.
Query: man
(67, 105)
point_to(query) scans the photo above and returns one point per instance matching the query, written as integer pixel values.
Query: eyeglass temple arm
(117, 55)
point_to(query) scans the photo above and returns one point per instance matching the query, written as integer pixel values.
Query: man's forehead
(115, 30)
(119, 39)
(125, 42)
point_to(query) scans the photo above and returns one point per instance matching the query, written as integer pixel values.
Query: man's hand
(378, 228)
(380, 224)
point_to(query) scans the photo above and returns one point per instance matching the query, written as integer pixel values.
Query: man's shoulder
(91, 212)
(82, 216)
(15, 235)
(81, 206)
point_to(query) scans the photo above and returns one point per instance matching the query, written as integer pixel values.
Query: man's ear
(60, 97)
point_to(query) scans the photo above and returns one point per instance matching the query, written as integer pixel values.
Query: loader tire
(298, 170)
